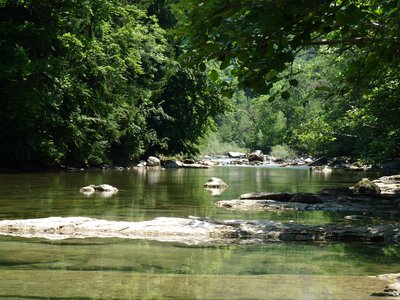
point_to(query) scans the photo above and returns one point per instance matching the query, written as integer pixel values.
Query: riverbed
(140, 269)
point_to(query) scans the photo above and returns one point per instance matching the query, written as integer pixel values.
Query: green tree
(81, 83)
(261, 38)
(259, 44)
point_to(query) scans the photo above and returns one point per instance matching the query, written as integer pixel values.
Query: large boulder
(173, 164)
(365, 186)
(256, 155)
(153, 161)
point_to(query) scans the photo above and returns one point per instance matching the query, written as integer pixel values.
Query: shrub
(282, 152)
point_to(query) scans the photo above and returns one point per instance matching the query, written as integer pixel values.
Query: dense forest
(90, 82)
(86, 82)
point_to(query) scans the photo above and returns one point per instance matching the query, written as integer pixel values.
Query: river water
(140, 269)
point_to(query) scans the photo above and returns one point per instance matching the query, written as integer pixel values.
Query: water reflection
(84, 268)
(215, 191)
(125, 269)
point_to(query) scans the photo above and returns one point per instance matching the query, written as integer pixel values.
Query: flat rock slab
(194, 230)
(260, 205)
(189, 231)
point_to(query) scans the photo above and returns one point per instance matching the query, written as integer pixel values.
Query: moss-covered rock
(365, 186)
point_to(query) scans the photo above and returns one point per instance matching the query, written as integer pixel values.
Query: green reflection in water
(159, 258)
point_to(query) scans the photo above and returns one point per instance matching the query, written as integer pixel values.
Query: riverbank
(256, 159)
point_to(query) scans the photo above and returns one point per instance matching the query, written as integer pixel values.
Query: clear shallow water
(126, 269)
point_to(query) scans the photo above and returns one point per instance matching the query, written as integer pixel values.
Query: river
(140, 269)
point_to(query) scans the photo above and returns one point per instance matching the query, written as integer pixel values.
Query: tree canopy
(108, 81)
(84, 82)
(267, 46)
(260, 38)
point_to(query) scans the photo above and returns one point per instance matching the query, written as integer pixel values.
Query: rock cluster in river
(380, 197)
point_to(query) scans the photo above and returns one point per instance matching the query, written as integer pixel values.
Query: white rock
(105, 188)
(87, 189)
(153, 161)
(214, 182)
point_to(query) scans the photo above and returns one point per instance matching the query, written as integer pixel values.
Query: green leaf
(213, 75)
(225, 63)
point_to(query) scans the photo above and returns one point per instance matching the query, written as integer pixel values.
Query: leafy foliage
(80, 82)
(261, 38)
(329, 68)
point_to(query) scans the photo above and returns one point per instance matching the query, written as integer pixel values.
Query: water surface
(138, 269)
